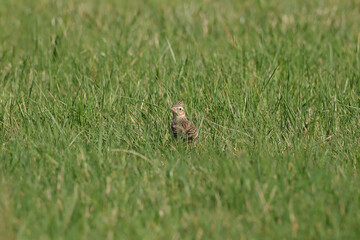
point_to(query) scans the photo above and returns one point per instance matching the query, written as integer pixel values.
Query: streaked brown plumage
(180, 126)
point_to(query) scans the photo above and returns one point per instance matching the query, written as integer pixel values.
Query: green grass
(86, 148)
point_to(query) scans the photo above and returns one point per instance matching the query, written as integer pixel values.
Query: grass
(86, 149)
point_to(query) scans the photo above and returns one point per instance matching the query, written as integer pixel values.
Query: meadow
(86, 150)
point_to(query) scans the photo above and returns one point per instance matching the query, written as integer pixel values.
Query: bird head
(178, 109)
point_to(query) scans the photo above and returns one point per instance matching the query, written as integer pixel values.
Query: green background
(86, 148)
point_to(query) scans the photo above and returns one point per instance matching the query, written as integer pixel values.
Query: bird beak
(172, 109)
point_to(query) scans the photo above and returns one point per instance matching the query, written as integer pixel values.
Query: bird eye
(180, 108)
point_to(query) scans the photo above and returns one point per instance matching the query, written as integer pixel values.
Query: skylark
(180, 126)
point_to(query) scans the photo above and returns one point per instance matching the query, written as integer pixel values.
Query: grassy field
(85, 141)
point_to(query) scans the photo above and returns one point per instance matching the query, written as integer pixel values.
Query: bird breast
(183, 128)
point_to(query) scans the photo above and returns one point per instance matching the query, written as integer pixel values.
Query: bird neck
(180, 117)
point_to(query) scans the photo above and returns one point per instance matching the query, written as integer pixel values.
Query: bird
(180, 126)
